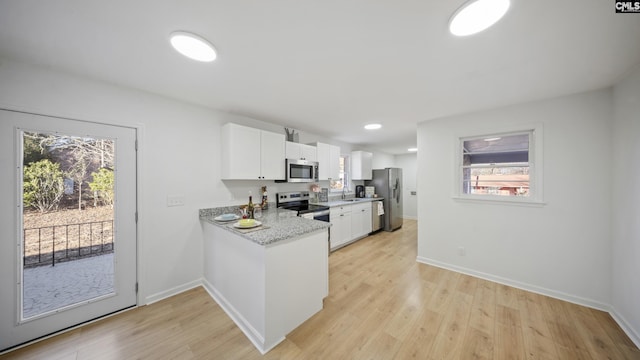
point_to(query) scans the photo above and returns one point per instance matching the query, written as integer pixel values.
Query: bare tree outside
(68, 197)
(78, 158)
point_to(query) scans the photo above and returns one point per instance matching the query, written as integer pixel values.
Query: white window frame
(347, 175)
(535, 167)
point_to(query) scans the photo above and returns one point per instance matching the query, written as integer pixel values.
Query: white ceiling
(329, 67)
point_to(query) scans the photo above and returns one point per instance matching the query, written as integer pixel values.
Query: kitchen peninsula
(269, 279)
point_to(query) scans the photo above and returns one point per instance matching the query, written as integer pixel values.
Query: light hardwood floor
(382, 305)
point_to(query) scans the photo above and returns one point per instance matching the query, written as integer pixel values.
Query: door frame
(138, 128)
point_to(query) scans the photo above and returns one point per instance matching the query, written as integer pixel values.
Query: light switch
(175, 200)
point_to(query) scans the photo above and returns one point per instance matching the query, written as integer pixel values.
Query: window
(498, 166)
(339, 184)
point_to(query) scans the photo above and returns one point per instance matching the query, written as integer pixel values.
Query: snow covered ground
(48, 288)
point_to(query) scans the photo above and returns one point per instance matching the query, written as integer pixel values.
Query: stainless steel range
(299, 201)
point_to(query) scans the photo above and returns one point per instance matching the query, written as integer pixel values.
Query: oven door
(301, 170)
(322, 215)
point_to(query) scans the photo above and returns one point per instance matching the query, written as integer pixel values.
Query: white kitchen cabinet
(270, 289)
(328, 161)
(249, 154)
(272, 165)
(340, 230)
(361, 165)
(360, 220)
(301, 151)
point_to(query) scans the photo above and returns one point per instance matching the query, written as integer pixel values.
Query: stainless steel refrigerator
(388, 185)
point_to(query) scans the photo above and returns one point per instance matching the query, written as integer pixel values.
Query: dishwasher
(377, 215)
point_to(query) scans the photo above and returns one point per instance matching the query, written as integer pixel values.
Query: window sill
(499, 200)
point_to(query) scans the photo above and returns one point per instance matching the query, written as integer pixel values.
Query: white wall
(408, 164)
(382, 160)
(179, 153)
(178, 150)
(561, 248)
(626, 204)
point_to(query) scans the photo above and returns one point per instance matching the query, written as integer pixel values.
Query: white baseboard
(628, 329)
(249, 331)
(171, 292)
(624, 324)
(258, 341)
(410, 217)
(517, 284)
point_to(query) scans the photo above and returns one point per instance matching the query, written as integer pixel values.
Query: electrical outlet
(462, 251)
(175, 200)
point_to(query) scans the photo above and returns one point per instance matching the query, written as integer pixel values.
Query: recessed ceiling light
(492, 139)
(477, 15)
(193, 46)
(372, 126)
(412, 149)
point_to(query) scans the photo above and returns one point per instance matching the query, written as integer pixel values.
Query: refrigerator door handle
(396, 190)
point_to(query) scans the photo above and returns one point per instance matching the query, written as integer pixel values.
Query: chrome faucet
(344, 187)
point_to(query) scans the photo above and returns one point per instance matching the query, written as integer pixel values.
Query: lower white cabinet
(360, 220)
(349, 222)
(340, 218)
(275, 287)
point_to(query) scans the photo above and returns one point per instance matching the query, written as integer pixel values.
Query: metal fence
(57, 243)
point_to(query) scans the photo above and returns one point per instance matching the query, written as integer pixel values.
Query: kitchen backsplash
(239, 189)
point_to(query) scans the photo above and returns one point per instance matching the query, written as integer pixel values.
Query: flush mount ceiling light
(412, 149)
(372, 126)
(477, 15)
(193, 46)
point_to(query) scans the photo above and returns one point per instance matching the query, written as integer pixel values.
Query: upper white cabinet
(361, 165)
(272, 165)
(328, 161)
(301, 151)
(250, 154)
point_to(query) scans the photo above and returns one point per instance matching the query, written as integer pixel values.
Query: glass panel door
(68, 237)
(67, 221)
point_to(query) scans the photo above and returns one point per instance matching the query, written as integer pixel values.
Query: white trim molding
(619, 319)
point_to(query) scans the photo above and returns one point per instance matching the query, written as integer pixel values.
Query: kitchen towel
(380, 208)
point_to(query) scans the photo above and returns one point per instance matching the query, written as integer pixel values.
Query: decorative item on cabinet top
(292, 136)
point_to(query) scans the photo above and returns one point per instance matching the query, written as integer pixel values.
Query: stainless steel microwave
(301, 170)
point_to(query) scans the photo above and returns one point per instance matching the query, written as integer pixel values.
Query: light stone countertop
(341, 202)
(279, 224)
